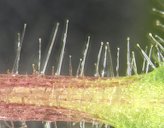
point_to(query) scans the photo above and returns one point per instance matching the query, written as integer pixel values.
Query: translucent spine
(98, 60)
(159, 38)
(160, 55)
(55, 125)
(39, 55)
(62, 50)
(84, 58)
(154, 40)
(104, 63)
(128, 72)
(78, 68)
(110, 61)
(47, 124)
(150, 52)
(16, 63)
(118, 62)
(50, 49)
(146, 57)
(19, 47)
(70, 65)
(144, 61)
(134, 65)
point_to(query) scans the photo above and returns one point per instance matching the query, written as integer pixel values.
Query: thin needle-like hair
(160, 56)
(159, 24)
(144, 61)
(47, 124)
(23, 34)
(128, 58)
(19, 47)
(146, 57)
(34, 71)
(82, 124)
(84, 57)
(8, 125)
(106, 126)
(78, 68)
(110, 60)
(159, 38)
(70, 65)
(158, 11)
(118, 62)
(150, 52)
(62, 50)
(23, 124)
(98, 60)
(39, 54)
(53, 71)
(55, 125)
(134, 65)
(17, 59)
(154, 40)
(50, 48)
(104, 63)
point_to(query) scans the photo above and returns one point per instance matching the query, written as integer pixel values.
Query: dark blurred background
(103, 20)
